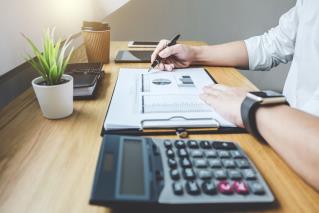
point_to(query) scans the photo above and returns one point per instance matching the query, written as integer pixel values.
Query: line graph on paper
(179, 103)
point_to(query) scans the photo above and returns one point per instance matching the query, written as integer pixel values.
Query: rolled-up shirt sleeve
(275, 46)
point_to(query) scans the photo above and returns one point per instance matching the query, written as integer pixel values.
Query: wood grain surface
(48, 165)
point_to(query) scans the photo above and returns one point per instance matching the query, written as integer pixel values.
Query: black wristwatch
(251, 103)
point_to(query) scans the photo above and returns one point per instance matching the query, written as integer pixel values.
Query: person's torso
(302, 84)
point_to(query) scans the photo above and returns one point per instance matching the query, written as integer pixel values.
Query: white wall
(213, 21)
(32, 16)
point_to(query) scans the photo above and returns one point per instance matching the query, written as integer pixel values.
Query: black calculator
(138, 170)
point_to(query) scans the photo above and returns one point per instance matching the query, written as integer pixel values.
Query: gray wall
(213, 21)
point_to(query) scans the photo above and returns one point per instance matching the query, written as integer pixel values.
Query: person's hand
(176, 56)
(226, 101)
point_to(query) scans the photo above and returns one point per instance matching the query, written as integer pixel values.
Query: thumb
(168, 51)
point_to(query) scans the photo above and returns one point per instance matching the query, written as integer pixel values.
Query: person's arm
(233, 54)
(277, 45)
(297, 141)
(256, 53)
(292, 133)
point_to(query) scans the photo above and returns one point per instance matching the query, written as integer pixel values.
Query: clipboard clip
(182, 132)
(163, 126)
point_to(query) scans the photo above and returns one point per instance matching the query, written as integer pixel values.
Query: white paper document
(161, 100)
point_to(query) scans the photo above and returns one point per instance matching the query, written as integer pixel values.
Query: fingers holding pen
(169, 64)
(166, 64)
(163, 52)
(169, 67)
(162, 45)
(161, 66)
(168, 51)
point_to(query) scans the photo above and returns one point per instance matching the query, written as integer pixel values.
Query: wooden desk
(48, 165)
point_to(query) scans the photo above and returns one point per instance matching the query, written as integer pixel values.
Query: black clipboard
(171, 131)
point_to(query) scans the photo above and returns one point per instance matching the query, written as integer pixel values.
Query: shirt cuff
(252, 49)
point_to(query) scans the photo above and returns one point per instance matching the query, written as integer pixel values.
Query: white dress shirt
(295, 39)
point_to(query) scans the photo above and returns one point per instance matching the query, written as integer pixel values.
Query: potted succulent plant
(53, 89)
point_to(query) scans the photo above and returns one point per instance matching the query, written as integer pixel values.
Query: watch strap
(248, 114)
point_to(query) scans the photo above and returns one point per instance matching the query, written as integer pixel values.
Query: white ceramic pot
(55, 101)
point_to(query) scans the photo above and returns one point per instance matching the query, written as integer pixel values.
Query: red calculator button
(240, 187)
(224, 187)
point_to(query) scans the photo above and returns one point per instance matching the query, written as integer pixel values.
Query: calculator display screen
(132, 168)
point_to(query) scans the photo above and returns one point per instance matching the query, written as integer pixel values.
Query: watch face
(267, 97)
(267, 94)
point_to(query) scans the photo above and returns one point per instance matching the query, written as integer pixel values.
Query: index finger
(220, 87)
(162, 45)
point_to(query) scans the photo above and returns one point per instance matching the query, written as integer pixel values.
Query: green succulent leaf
(52, 62)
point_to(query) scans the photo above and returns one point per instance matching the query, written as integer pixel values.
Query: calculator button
(224, 145)
(192, 144)
(224, 187)
(170, 153)
(249, 174)
(189, 174)
(215, 163)
(177, 188)
(240, 187)
(200, 163)
(155, 150)
(236, 154)
(210, 154)
(257, 188)
(185, 162)
(209, 187)
(220, 174)
(204, 174)
(242, 163)
(223, 154)
(168, 144)
(205, 144)
(180, 144)
(159, 175)
(192, 188)
(234, 174)
(174, 174)
(172, 163)
(182, 153)
(229, 163)
(197, 154)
